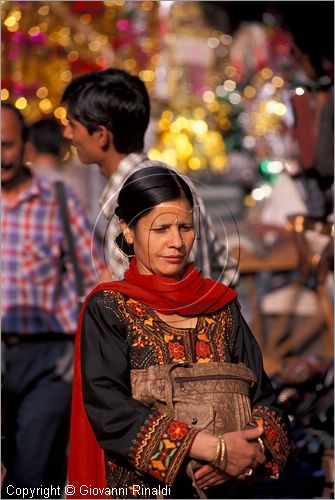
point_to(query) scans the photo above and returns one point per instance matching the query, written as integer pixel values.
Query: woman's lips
(174, 259)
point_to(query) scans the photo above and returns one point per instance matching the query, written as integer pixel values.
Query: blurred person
(39, 314)
(108, 113)
(134, 333)
(45, 149)
(313, 127)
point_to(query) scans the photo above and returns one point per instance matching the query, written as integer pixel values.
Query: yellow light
(167, 139)
(42, 92)
(14, 28)
(194, 163)
(147, 75)
(229, 85)
(199, 127)
(175, 128)
(72, 56)
(66, 76)
(219, 163)
(79, 38)
(26, 111)
(184, 147)
(281, 109)
(167, 115)
(147, 6)
(64, 32)
(213, 106)
(163, 125)
(4, 94)
(44, 10)
(154, 154)
(45, 105)
(10, 21)
(60, 113)
(21, 103)
(17, 14)
(199, 113)
(182, 122)
(130, 64)
(169, 156)
(208, 96)
(249, 92)
(35, 30)
(94, 46)
(277, 82)
(266, 73)
(119, 3)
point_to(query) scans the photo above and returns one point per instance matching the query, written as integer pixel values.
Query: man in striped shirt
(108, 113)
(39, 314)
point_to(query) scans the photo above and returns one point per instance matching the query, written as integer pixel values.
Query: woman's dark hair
(147, 188)
(112, 98)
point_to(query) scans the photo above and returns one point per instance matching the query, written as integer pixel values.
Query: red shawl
(191, 296)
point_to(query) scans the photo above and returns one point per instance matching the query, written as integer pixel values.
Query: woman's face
(163, 238)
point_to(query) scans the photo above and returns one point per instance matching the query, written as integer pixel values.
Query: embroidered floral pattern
(176, 351)
(202, 349)
(177, 430)
(275, 438)
(162, 443)
(161, 446)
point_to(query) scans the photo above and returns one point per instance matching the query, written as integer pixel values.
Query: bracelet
(261, 444)
(217, 453)
(223, 453)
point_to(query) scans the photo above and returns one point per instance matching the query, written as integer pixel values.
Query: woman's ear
(127, 232)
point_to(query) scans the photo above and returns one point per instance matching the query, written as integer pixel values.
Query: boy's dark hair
(47, 137)
(112, 98)
(147, 188)
(23, 126)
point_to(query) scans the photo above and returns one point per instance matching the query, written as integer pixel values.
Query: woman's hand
(209, 476)
(242, 452)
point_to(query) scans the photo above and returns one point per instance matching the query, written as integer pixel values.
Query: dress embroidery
(162, 443)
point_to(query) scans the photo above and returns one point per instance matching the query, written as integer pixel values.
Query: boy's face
(88, 145)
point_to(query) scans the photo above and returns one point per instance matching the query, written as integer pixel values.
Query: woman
(162, 314)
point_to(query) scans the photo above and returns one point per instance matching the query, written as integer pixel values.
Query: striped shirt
(38, 285)
(209, 253)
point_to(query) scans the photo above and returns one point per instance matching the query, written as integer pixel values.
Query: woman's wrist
(205, 447)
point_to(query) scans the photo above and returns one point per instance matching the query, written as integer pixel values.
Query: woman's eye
(159, 229)
(187, 227)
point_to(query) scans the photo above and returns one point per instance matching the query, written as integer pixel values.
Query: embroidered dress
(145, 450)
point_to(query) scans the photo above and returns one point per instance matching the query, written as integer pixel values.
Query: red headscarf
(191, 296)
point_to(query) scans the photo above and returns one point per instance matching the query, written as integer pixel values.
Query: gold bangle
(222, 462)
(249, 473)
(261, 444)
(217, 453)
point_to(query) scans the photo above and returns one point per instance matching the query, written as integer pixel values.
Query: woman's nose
(176, 238)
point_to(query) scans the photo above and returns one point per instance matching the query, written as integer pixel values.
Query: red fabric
(190, 296)
(165, 295)
(86, 458)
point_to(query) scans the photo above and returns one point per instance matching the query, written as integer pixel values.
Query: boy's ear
(104, 136)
